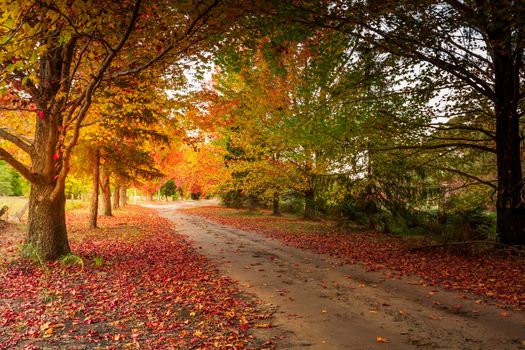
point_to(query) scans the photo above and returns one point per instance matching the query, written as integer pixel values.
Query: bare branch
(17, 109)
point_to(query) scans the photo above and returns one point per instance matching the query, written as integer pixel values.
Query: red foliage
(502, 279)
(140, 286)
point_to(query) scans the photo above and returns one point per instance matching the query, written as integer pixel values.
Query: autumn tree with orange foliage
(56, 56)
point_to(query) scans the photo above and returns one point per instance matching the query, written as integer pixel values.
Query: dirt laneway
(322, 305)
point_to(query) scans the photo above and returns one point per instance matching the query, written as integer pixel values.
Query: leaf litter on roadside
(151, 291)
(502, 279)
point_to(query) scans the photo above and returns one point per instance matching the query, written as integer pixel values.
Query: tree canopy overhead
(390, 107)
(57, 56)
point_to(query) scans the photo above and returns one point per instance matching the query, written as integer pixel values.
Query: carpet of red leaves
(139, 285)
(496, 278)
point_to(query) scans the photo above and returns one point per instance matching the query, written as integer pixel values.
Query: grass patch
(71, 260)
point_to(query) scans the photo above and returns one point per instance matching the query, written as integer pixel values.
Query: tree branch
(19, 166)
(21, 141)
(187, 34)
(459, 172)
(90, 89)
(447, 127)
(438, 146)
(98, 120)
(459, 139)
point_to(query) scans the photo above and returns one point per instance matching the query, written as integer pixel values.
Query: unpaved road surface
(322, 305)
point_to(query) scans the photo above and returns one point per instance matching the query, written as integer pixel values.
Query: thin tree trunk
(123, 198)
(309, 204)
(276, 207)
(106, 191)
(116, 196)
(94, 190)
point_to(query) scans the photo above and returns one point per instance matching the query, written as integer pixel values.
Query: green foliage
(5, 180)
(305, 109)
(11, 183)
(467, 225)
(292, 203)
(395, 224)
(169, 189)
(71, 260)
(75, 204)
(75, 186)
(16, 183)
(98, 261)
(31, 252)
(232, 198)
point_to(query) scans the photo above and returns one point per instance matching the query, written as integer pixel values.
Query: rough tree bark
(94, 190)
(46, 227)
(106, 191)
(47, 215)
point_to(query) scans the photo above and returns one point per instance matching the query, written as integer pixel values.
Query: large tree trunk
(150, 197)
(46, 225)
(309, 204)
(123, 196)
(276, 207)
(106, 191)
(94, 190)
(510, 205)
(116, 196)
